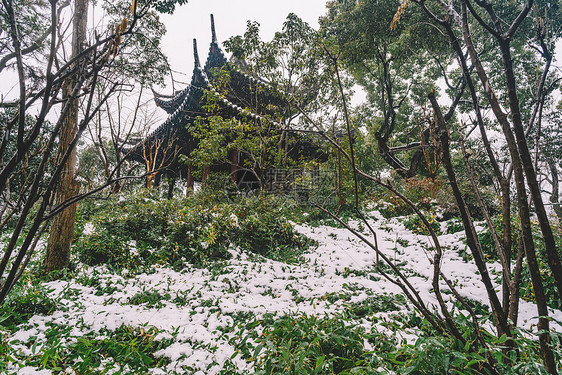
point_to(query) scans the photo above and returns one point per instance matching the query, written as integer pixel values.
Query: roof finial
(195, 54)
(213, 32)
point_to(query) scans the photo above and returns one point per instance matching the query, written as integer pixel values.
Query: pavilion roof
(238, 99)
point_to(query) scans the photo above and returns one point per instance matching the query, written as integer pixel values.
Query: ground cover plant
(143, 229)
(281, 307)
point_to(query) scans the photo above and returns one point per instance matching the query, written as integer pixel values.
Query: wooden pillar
(189, 180)
(171, 183)
(206, 170)
(234, 159)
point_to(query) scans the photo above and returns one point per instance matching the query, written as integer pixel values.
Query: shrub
(197, 237)
(141, 230)
(487, 240)
(550, 289)
(392, 206)
(435, 353)
(263, 229)
(306, 345)
(454, 225)
(416, 225)
(101, 248)
(22, 304)
(126, 350)
(434, 195)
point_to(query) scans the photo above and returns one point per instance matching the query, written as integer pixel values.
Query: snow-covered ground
(200, 304)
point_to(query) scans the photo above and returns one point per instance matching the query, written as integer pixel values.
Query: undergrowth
(23, 302)
(140, 230)
(126, 350)
(375, 334)
(308, 344)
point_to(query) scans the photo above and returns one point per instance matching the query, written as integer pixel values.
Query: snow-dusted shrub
(454, 225)
(142, 229)
(23, 303)
(263, 229)
(102, 247)
(416, 225)
(196, 236)
(301, 344)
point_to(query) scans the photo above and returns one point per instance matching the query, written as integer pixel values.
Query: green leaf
(258, 350)
(319, 363)
(502, 339)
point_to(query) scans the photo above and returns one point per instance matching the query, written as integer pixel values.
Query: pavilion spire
(213, 32)
(196, 54)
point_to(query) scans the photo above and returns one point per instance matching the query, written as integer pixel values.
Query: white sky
(193, 21)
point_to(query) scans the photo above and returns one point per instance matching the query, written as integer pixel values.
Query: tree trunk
(553, 259)
(62, 227)
(472, 240)
(555, 196)
(206, 172)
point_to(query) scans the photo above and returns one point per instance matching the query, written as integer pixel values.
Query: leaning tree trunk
(62, 227)
(555, 195)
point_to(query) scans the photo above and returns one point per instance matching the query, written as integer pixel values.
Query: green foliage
(141, 59)
(291, 61)
(167, 6)
(425, 193)
(392, 66)
(23, 303)
(263, 143)
(198, 236)
(263, 230)
(487, 241)
(301, 344)
(127, 346)
(214, 136)
(148, 298)
(484, 180)
(32, 20)
(125, 230)
(103, 247)
(454, 225)
(375, 304)
(392, 206)
(434, 353)
(141, 230)
(128, 350)
(433, 195)
(416, 225)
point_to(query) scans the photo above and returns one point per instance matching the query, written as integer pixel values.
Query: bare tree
(48, 86)
(158, 153)
(458, 22)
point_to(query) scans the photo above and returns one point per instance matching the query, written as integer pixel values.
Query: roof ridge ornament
(213, 32)
(196, 54)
